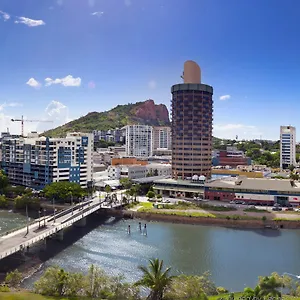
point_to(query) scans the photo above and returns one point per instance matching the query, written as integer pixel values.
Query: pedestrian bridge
(48, 226)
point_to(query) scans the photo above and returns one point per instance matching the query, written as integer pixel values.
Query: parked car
(289, 208)
(276, 208)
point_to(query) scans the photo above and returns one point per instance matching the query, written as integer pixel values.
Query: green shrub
(235, 217)
(4, 289)
(228, 218)
(221, 290)
(3, 201)
(13, 278)
(264, 218)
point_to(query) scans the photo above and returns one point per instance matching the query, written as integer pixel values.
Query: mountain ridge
(144, 113)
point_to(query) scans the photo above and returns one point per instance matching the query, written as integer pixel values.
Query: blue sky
(61, 59)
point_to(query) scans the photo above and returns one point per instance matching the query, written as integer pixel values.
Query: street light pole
(39, 218)
(72, 203)
(27, 218)
(54, 216)
(44, 217)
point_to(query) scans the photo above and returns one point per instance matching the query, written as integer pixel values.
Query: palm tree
(268, 287)
(155, 279)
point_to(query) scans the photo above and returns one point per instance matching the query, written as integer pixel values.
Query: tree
(135, 189)
(60, 191)
(268, 287)
(251, 294)
(150, 195)
(28, 200)
(3, 201)
(185, 287)
(96, 282)
(291, 168)
(126, 183)
(57, 282)
(13, 278)
(107, 190)
(155, 279)
(3, 181)
(294, 176)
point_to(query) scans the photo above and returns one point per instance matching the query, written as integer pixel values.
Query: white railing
(24, 245)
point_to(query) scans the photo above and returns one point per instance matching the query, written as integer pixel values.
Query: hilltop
(145, 113)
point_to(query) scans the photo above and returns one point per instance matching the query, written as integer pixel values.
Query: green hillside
(117, 117)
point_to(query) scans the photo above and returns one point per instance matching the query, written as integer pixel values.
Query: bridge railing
(48, 233)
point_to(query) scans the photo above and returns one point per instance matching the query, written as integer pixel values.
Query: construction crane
(22, 122)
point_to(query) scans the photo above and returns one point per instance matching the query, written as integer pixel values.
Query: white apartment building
(127, 171)
(287, 146)
(36, 161)
(139, 140)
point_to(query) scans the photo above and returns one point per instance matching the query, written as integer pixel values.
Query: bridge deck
(18, 240)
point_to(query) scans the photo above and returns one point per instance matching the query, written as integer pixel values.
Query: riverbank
(216, 220)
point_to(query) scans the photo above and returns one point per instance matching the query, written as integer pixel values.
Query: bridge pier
(59, 235)
(80, 223)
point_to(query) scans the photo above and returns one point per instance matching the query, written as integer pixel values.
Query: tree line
(156, 280)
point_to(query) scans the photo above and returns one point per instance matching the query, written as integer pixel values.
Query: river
(234, 257)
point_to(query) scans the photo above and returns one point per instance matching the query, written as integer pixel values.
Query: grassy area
(25, 296)
(236, 217)
(225, 296)
(31, 296)
(256, 210)
(239, 296)
(287, 219)
(176, 213)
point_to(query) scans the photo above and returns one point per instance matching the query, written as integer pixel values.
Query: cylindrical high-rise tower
(192, 109)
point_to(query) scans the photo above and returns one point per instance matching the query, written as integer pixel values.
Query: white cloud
(56, 112)
(33, 83)
(230, 131)
(127, 2)
(152, 84)
(97, 13)
(225, 97)
(29, 22)
(4, 15)
(9, 104)
(66, 81)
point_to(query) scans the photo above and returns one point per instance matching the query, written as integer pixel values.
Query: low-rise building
(35, 161)
(127, 171)
(155, 169)
(230, 157)
(252, 190)
(180, 188)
